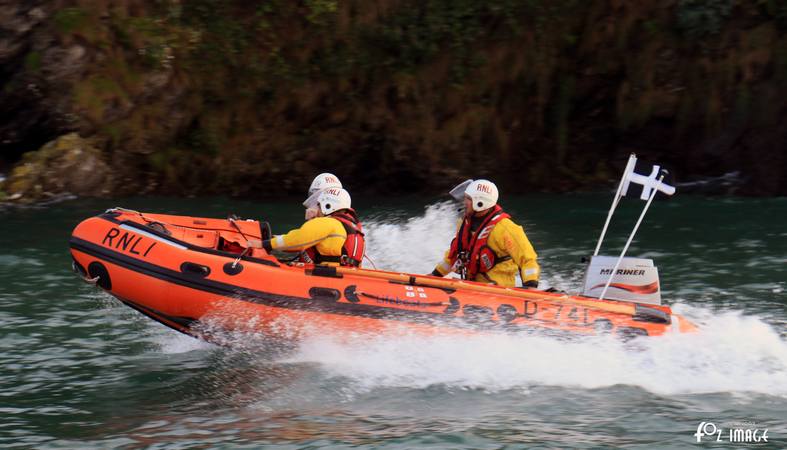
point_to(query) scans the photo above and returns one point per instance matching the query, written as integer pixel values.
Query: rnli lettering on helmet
(127, 242)
(333, 191)
(484, 188)
(330, 179)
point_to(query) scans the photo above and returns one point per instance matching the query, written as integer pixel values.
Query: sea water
(80, 370)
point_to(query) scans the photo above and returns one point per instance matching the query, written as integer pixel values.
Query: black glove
(436, 273)
(532, 284)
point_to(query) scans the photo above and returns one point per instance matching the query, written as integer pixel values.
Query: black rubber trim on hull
(653, 315)
(181, 324)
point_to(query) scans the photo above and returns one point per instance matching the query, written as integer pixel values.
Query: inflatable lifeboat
(186, 272)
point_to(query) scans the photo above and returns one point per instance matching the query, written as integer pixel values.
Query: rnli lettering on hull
(127, 241)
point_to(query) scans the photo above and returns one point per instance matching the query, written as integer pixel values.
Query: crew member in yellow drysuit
(334, 236)
(488, 246)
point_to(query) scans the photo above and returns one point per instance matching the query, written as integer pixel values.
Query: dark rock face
(17, 21)
(33, 109)
(234, 97)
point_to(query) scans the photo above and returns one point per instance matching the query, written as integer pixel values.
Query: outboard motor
(636, 279)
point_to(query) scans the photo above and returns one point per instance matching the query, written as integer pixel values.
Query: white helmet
(324, 181)
(483, 193)
(333, 199)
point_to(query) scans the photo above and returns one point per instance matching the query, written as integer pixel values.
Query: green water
(79, 370)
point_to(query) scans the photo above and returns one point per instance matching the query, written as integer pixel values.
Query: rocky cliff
(244, 98)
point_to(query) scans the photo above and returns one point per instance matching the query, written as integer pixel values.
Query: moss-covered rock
(69, 164)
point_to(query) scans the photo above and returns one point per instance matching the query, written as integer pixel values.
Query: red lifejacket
(354, 245)
(470, 248)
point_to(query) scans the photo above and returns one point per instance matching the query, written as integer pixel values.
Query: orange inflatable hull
(199, 276)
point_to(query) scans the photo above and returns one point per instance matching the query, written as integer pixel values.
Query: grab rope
(92, 281)
(231, 220)
(118, 208)
(243, 253)
(132, 211)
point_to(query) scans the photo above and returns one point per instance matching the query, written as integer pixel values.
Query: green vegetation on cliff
(229, 96)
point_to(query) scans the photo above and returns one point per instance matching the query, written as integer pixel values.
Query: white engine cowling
(636, 280)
